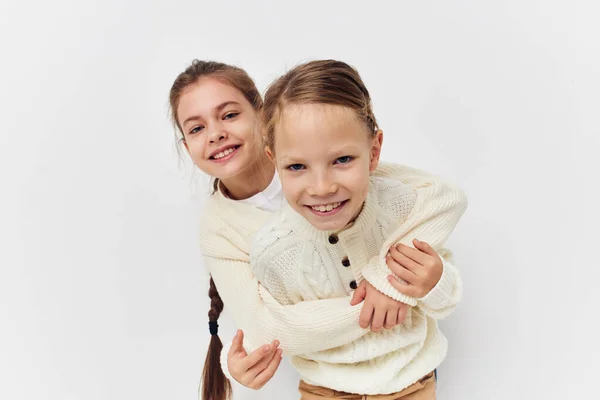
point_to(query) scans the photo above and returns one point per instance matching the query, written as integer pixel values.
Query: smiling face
(324, 156)
(218, 125)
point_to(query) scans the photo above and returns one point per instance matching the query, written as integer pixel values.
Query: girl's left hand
(421, 268)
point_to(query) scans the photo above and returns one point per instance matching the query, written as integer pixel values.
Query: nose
(216, 135)
(322, 185)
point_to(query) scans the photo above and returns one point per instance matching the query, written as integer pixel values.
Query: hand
(256, 369)
(379, 310)
(421, 268)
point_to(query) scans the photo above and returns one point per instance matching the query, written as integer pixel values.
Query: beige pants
(421, 390)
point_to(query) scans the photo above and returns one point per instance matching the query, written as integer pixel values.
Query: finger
(266, 374)
(264, 361)
(390, 319)
(397, 255)
(412, 253)
(402, 313)
(378, 319)
(256, 356)
(237, 344)
(425, 247)
(359, 294)
(401, 272)
(366, 313)
(409, 290)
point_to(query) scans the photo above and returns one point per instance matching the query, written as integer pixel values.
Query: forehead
(205, 95)
(317, 124)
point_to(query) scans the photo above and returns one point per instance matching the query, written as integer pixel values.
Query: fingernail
(279, 352)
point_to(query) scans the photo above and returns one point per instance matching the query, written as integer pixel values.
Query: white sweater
(296, 262)
(226, 231)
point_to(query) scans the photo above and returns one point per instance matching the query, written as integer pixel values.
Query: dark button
(346, 262)
(333, 239)
(353, 285)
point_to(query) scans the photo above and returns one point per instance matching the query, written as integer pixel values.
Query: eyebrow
(217, 108)
(291, 158)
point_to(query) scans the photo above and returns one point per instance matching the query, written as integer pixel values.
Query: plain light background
(102, 286)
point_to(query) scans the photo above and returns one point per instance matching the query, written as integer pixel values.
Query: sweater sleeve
(224, 365)
(437, 304)
(434, 216)
(305, 327)
(446, 294)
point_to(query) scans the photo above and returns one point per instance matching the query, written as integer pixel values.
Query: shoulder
(426, 185)
(210, 217)
(393, 196)
(227, 225)
(214, 233)
(398, 171)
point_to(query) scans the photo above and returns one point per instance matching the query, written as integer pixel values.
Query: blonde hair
(317, 82)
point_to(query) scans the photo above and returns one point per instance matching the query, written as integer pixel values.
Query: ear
(376, 150)
(182, 140)
(270, 154)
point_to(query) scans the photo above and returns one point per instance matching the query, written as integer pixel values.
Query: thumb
(424, 247)
(237, 344)
(359, 294)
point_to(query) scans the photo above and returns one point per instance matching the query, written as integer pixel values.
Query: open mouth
(225, 154)
(327, 209)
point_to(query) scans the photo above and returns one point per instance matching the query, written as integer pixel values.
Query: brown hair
(215, 386)
(228, 74)
(317, 82)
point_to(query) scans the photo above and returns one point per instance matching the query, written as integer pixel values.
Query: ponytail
(215, 386)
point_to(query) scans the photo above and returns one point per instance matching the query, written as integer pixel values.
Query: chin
(328, 225)
(229, 171)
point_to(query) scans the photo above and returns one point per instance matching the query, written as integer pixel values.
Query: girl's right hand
(378, 310)
(256, 369)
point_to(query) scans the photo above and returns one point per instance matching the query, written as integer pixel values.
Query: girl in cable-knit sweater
(344, 225)
(215, 109)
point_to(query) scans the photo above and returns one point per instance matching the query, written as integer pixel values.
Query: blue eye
(230, 115)
(196, 130)
(344, 159)
(295, 167)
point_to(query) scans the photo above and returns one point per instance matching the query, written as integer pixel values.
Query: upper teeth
(326, 207)
(223, 153)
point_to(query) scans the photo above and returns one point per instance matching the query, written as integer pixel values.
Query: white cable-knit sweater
(226, 230)
(297, 262)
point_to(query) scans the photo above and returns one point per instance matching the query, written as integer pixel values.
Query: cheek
(292, 189)
(246, 131)
(291, 196)
(361, 183)
(196, 149)
(359, 178)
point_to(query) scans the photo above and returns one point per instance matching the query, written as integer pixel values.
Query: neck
(251, 181)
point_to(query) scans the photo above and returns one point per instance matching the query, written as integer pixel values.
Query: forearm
(437, 210)
(305, 327)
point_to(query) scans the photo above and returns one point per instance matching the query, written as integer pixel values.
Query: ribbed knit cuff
(224, 366)
(377, 276)
(439, 296)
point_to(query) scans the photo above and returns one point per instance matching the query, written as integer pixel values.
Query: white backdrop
(102, 287)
